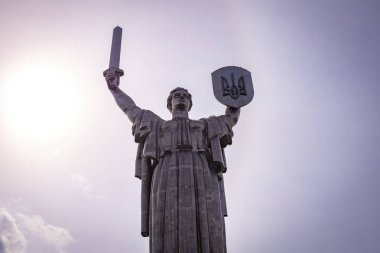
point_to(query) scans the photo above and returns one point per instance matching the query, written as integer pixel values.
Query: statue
(181, 163)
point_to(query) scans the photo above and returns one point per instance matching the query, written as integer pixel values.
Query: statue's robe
(180, 163)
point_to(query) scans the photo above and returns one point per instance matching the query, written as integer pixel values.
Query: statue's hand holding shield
(232, 86)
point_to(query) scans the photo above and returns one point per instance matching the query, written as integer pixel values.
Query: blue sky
(304, 166)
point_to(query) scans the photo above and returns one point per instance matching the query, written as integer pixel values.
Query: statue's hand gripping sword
(115, 58)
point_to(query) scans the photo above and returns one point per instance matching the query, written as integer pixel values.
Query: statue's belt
(183, 148)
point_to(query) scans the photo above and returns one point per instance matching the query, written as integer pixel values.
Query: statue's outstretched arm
(233, 114)
(125, 102)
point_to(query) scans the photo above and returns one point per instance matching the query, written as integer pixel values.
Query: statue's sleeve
(145, 130)
(219, 133)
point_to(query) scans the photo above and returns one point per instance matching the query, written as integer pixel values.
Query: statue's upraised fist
(112, 76)
(112, 80)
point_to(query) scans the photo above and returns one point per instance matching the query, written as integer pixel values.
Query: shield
(232, 86)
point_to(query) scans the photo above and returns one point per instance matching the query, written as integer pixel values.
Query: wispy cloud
(11, 238)
(20, 230)
(35, 228)
(80, 181)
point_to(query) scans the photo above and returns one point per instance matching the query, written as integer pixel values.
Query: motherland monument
(181, 161)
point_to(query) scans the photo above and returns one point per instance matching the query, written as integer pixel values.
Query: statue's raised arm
(125, 102)
(113, 74)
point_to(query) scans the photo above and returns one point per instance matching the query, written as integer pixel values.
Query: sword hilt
(115, 82)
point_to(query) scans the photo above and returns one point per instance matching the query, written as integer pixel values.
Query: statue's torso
(183, 134)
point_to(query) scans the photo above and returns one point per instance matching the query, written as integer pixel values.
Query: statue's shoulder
(198, 121)
(147, 115)
(212, 118)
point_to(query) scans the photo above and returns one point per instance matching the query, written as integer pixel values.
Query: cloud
(11, 238)
(81, 182)
(19, 232)
(36, 229)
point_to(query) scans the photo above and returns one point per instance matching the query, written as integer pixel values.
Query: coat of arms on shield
(232, 86)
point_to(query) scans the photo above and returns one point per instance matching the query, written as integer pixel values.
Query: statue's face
(181, 100)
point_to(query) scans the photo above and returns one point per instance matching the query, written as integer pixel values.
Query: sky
(304, 167)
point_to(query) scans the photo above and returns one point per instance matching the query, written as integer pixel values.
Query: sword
(115, 57)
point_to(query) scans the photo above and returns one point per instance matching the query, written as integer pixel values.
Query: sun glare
(38, 102)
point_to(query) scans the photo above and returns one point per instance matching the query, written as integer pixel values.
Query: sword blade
(115, 48)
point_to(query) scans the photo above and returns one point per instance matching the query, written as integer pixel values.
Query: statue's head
(179, 98)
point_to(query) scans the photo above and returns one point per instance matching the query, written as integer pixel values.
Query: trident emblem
(233, 90)
(232, 86)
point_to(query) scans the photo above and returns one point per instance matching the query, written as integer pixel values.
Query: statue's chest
(182, 134)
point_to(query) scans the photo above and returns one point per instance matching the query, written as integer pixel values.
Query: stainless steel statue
(181, 163)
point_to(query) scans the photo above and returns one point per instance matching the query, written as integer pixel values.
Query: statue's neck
(180, 114)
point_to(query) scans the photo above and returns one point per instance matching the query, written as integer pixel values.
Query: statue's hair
(169, 100)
